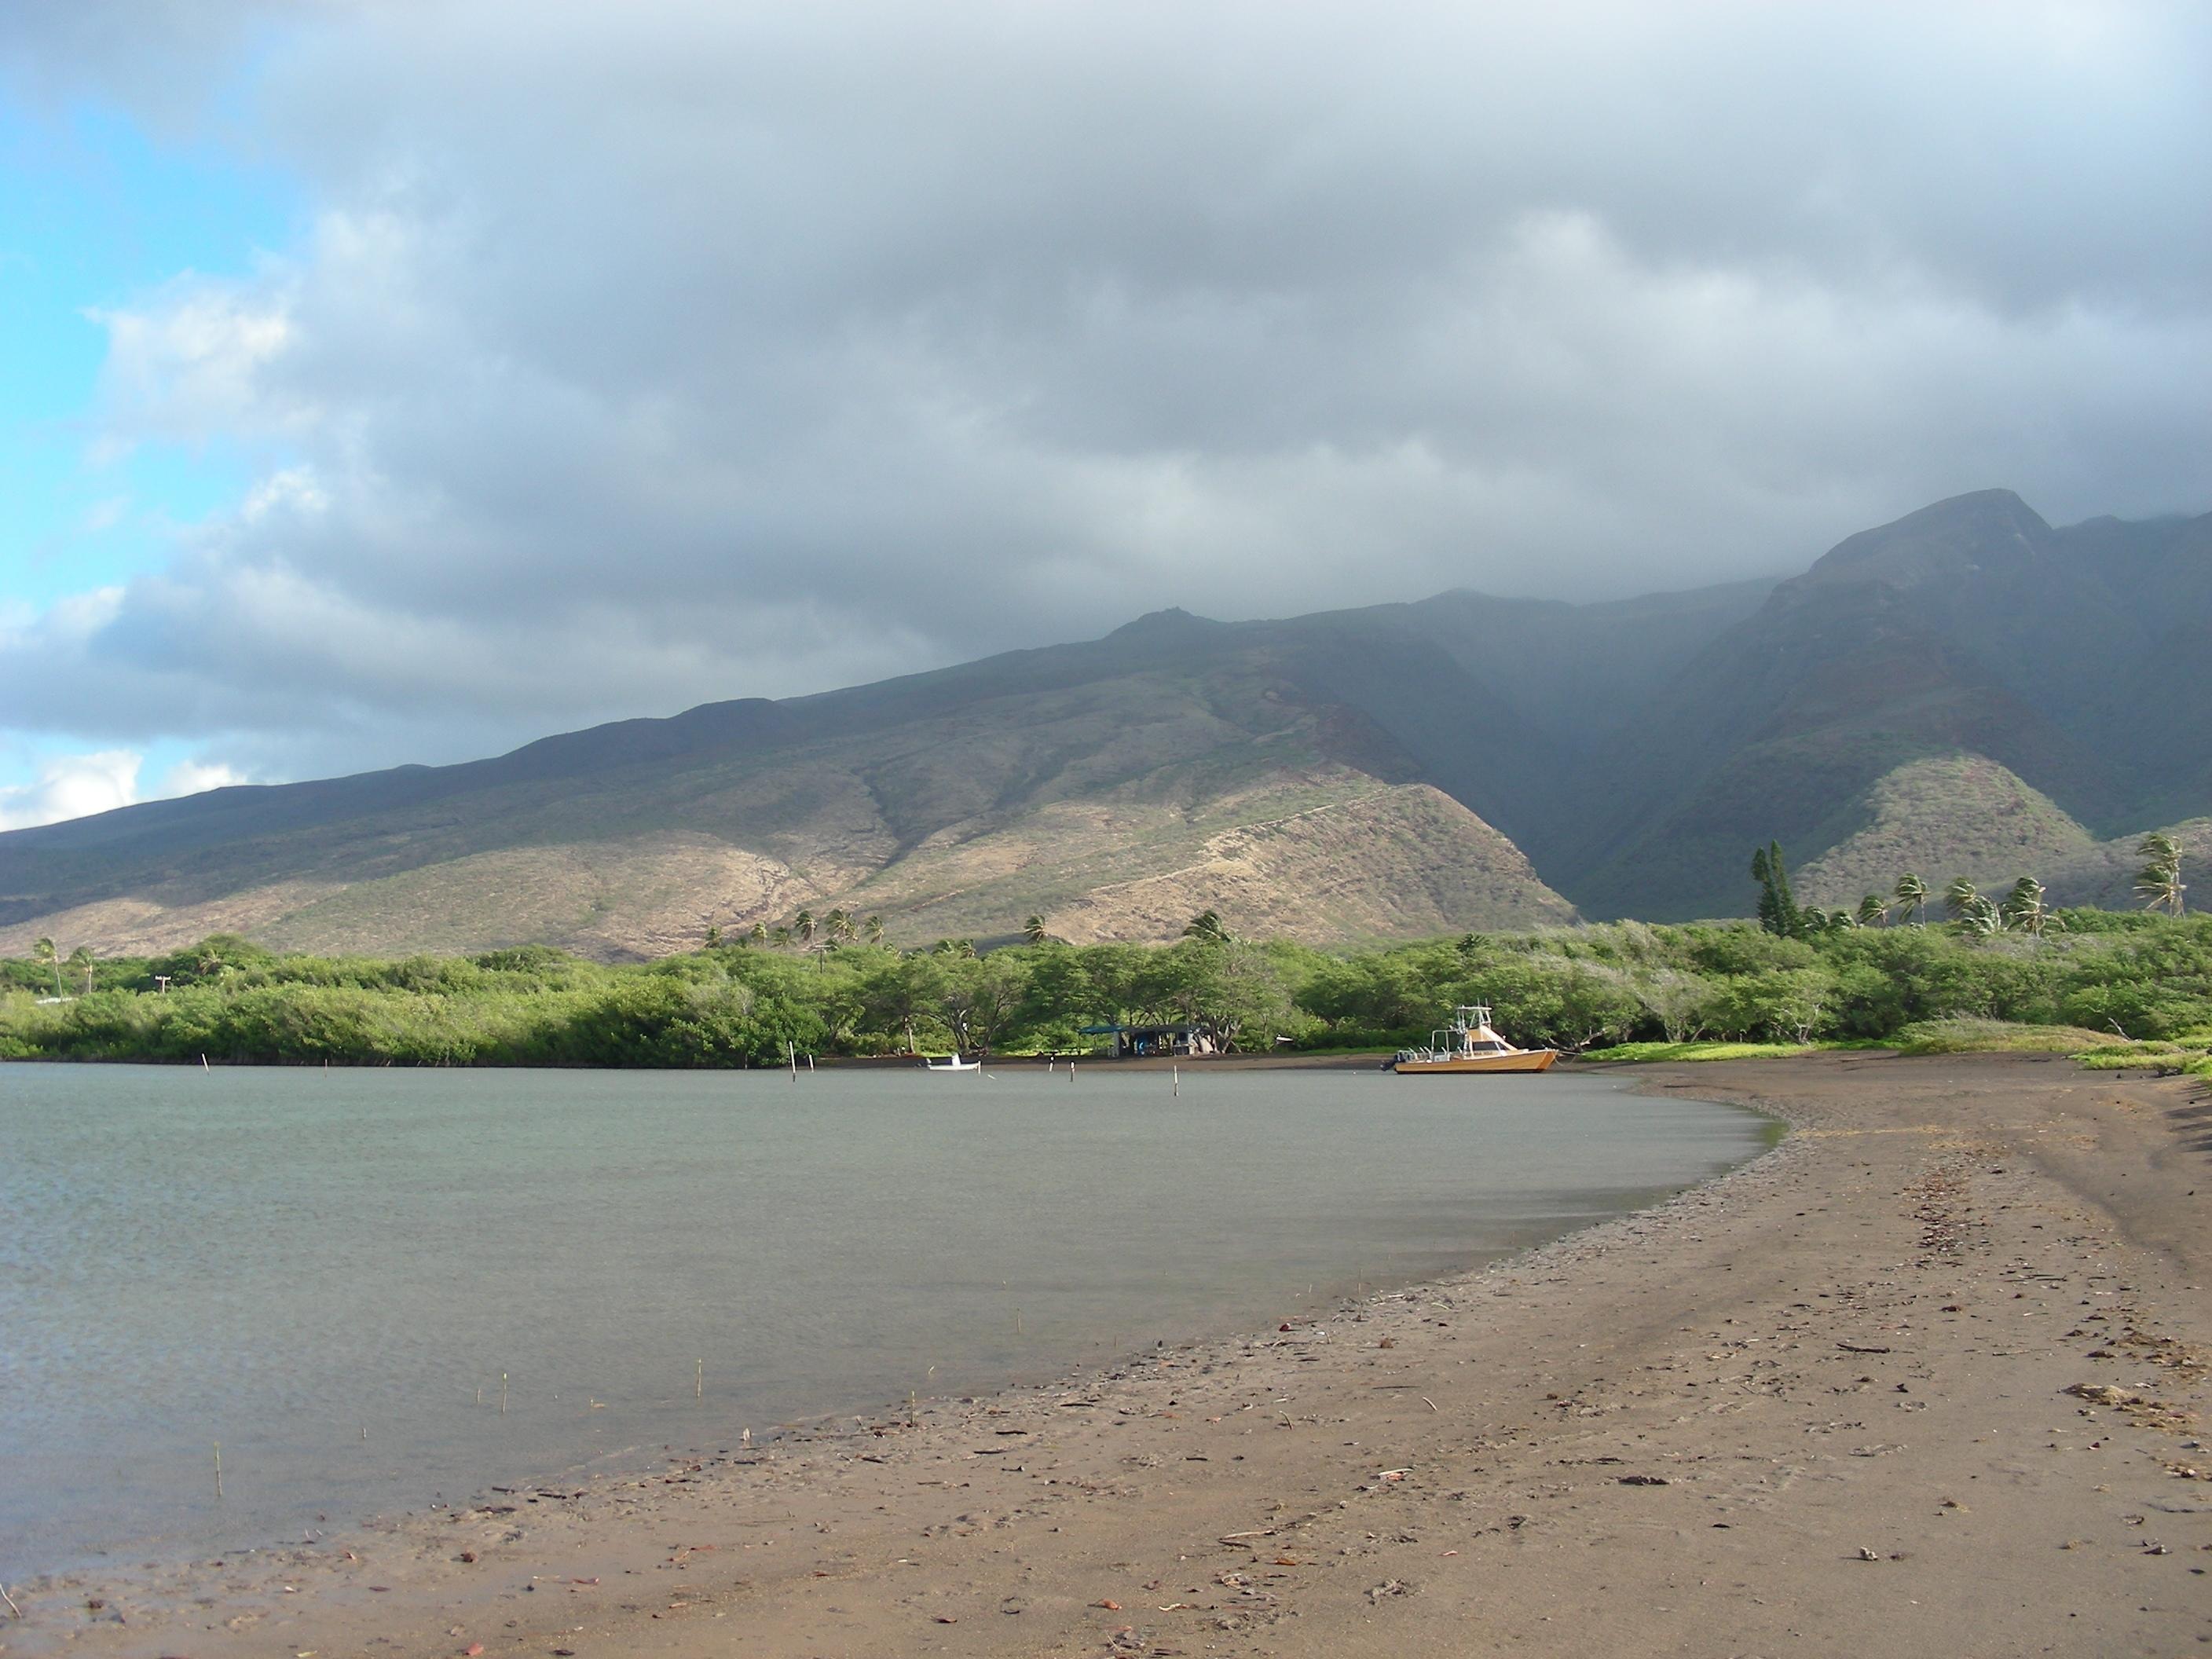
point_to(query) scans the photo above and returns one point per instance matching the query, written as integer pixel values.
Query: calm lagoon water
(280, 1259)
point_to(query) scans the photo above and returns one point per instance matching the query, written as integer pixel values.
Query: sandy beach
(1925, 1379)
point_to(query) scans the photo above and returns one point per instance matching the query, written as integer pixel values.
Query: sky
(388, 380)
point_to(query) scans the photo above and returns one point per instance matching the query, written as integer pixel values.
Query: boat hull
(1537, 1059)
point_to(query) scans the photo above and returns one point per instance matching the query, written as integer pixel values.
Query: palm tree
(875, 926)
(1958, 897)
(780, 938)
(1206, 926)
(1978, 915)
(838, 924)
(43, 949)
(1912, 893)
(1033, 930)
(802, 927)
(757, 933)
(2024, 908)
(80, 961)
(1872, 913)
(2159, 884)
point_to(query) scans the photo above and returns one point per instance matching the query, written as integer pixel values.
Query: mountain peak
(1986, 527)
(1155, 624)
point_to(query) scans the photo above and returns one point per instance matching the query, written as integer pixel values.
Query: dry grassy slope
(1965, 814)
(1403, 860)
(1124, 804)
(1959, 815)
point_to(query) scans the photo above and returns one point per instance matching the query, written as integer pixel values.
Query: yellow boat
(1469, 1045)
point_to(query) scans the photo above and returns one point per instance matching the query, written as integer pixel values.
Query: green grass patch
(1642, 1052)
(1996, 1036)
(2146, 1056)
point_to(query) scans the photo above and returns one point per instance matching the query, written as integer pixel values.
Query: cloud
(70, 786)
(190, 777)
(104, 515)
(634, 356)
(75, 786)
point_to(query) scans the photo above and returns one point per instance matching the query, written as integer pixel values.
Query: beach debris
(1860, 1347)
(1110, 1605)
(1388, 1588)
(10, 1601)
(2102, 1394)
(1866, 1555)
(2140, 1409)
(1642, 1480)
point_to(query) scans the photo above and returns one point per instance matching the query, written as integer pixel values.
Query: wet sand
(1820, 1405)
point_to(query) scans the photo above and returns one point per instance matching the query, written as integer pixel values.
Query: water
(280, 1260)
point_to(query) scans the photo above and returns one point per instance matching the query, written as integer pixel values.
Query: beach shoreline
(1794, 1406)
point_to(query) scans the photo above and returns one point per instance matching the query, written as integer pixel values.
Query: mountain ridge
(1459, 762)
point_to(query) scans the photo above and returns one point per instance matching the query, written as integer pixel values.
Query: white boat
(951, 1063)
(1469, 1044)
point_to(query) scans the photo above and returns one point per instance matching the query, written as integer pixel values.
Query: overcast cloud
(645, 354)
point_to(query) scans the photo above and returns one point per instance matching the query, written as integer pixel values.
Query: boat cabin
(1469, 1033)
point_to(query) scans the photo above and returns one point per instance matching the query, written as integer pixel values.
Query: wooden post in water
(502, 1393)
(218, 1468)
(1175, 1072)
(699, 1381)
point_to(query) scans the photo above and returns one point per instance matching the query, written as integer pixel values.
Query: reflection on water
(340, 1277)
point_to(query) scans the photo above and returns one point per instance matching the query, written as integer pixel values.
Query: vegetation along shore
(2125, 987)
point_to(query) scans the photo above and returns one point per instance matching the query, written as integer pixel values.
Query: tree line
(2024, 907)
(2137, 975)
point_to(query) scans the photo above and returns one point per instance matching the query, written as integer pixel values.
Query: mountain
(1967, 690)
(1118, 787)
(1970, 629)
(1963, 815)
